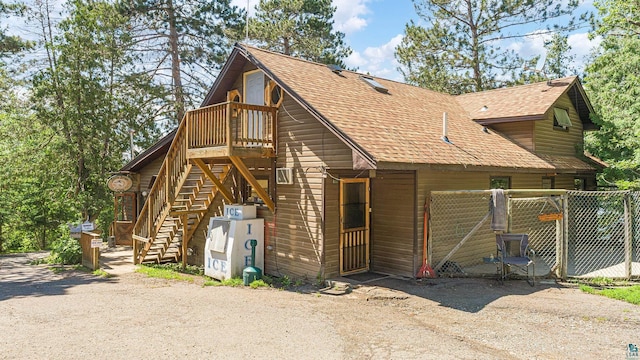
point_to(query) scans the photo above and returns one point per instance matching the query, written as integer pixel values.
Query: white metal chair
(514, 251)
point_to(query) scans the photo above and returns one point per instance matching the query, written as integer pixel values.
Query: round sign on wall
(119, 183)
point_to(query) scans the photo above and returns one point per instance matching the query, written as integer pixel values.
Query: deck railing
(231, 124)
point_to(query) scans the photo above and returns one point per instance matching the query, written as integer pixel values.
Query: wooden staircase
(190, 206)
(209, 144)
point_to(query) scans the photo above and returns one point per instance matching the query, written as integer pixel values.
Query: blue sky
(373, 29)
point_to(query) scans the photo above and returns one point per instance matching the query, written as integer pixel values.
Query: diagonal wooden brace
(242, 168)
(205, 169)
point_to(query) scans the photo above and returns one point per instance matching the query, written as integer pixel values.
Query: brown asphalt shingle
(531, 100)
(405, 125)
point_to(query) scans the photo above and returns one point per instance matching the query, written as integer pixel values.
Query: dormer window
(561, 119)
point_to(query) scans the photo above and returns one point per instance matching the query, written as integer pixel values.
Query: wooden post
(242, 168)
(135, 251)
(184, 218)
(229, 132)
(95, 258)
(274, 130)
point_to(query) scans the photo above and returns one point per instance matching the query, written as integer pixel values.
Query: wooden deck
(230, 129)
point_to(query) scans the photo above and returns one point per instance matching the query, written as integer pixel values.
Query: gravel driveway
(75, 315)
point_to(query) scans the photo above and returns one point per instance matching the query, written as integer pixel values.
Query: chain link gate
(541, 218)
(584, 234)
(462, 243)
(601, 235)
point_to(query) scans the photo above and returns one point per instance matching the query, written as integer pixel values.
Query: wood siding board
(306, 146)
(148, 172)
(559, 142)
(520, 132)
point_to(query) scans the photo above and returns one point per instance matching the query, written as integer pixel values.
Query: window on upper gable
(561, 119)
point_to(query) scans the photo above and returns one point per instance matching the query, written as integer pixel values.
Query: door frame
(354, 238)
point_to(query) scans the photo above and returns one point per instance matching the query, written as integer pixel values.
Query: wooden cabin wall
(146, 173)
(549, 140)
(306, 146)
(520, 132)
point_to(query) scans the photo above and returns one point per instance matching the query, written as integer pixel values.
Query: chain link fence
(574, 233)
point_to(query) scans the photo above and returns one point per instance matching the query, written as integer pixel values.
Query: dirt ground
(76, 315)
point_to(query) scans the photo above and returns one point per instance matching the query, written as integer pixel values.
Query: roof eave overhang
(587, 123)
(463, 167)
(151, 153)
(508, 119)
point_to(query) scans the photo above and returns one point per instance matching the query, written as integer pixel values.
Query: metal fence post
(563, 248)
(627, 236)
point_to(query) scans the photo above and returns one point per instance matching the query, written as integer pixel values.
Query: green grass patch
(176, 267)
(630, 294)
(101, 273)
(258, 283)
(163, 273)
(233, 282)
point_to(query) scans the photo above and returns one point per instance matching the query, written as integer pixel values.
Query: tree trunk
(178, 93)
(475, 51)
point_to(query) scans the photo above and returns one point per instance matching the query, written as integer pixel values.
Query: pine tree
(302, 28)
(614, 89)
(558, 61)
(459, 49)
(185, 43)
(89, 95)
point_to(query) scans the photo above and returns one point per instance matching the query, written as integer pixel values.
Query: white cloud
(379, 61)
(243, 5)
(350, 15)
(533, 45)
(581, 48)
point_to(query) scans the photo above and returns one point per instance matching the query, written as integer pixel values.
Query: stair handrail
(155, 209)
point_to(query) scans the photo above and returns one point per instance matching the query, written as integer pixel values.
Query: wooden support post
(242, 168)
(135, 251)
(184, 218)
(95, 258)
(186, 233)
(205, 169)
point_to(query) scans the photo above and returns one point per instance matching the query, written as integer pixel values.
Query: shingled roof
(526, 102)
(403, 125)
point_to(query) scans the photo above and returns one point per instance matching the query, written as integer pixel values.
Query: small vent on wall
(284, 176)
